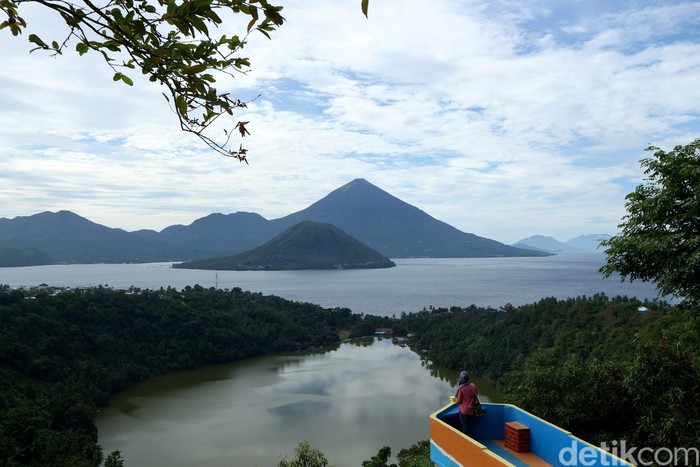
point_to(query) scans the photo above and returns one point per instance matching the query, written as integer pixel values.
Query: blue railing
(549, 442)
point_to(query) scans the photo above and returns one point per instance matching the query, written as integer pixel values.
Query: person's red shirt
(465, 398)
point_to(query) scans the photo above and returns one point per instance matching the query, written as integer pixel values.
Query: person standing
(466, 394)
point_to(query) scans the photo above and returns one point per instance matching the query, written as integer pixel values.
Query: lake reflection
(348, 402)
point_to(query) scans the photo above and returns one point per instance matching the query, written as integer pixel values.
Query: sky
(504, 119)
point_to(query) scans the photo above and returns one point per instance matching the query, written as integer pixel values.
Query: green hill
(306, 245)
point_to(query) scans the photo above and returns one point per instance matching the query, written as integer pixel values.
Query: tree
(380, 460)
(660, 238)
(667, 411)
(418, 455)
(585, 396)
(171, 42)
(114, 459)
(306, 456)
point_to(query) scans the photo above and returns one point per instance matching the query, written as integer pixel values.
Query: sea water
(414, 284)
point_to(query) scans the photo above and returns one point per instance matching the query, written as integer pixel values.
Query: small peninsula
(306, 245)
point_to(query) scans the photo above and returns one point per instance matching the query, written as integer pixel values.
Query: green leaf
(116, 12)
(181, 105)
(127, 80)
(112, 45)
(81, 48)
(365, 6)
(199, 24)
(193, 70)
(264, 33)
(202, 48)
(33, 38)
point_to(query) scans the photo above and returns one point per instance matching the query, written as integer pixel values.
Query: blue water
(412, 285)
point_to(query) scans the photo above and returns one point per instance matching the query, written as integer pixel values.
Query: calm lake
(347, 402)
(412, 285)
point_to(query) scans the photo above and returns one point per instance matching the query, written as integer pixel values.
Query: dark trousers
(466, 423)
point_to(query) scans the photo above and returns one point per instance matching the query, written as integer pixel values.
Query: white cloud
(503, 120)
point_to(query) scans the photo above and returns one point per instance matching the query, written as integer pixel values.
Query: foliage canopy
(306, 456)
(660, 238)
(172, 42)
(61, 356)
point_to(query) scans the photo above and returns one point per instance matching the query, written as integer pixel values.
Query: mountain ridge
(582, 243)
(63, 235)
(393, 227)
(376, 218)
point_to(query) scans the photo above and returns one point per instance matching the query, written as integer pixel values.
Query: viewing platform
(507, 435)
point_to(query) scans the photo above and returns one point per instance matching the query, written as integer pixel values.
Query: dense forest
(598, 367)
(61, 356)
(593, 365)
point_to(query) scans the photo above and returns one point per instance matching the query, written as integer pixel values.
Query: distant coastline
(413, 284)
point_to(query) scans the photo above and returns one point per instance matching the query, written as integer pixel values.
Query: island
(306, 245)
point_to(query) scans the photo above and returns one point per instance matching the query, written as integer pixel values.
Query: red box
(517, 437)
